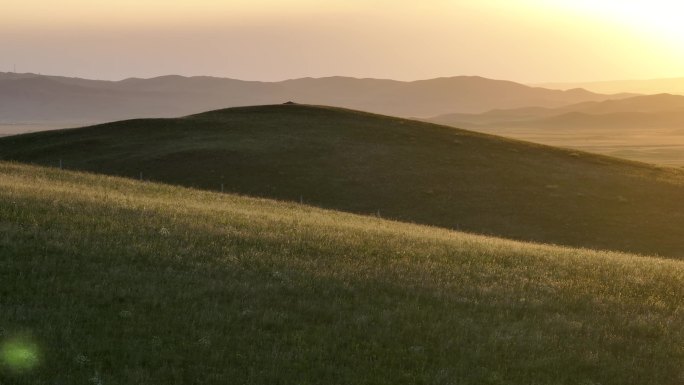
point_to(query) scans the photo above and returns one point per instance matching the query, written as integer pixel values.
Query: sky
(522, 40)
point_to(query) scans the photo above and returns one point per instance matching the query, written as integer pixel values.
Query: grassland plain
(112, 281)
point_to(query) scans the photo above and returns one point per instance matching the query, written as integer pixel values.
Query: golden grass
(124, 282)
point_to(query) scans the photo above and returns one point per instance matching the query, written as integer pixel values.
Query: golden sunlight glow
(662, 17)
(539, 40)
(150, 12)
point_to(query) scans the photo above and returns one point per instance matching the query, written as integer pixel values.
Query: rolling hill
(114, 281)
(54, 100)
(396, 168)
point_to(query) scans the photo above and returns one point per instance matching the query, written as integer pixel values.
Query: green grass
(405, 170)
(113, 281)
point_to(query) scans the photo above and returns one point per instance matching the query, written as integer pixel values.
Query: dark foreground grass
(111, 281)
(405, 170)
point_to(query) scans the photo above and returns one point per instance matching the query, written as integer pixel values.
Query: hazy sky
(522, 40)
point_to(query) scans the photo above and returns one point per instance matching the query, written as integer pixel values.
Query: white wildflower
(204, 341)
(156, 341)
(96, 379)
(81, 359)
(125, 314)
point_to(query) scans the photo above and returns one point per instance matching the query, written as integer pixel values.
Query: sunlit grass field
(112, 281)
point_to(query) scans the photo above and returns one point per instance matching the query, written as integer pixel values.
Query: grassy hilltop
(403, 169)
(113, 281)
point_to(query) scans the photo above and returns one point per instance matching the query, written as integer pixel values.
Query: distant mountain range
(651, 86)
(55, 100)
(662, 111)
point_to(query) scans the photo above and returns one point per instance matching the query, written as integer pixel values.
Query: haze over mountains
(55, 100)
(664, 110)
(649, 86)
(645, 128)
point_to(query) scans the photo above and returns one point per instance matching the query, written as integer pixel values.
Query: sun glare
(662, 18)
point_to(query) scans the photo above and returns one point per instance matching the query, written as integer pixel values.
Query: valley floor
(663, 147)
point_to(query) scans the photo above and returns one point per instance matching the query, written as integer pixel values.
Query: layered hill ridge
(644, 128)
(53, 99)
(396, 168)
(645, 86)
(662, 110)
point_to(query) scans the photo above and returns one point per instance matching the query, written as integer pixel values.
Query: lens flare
(19, 355)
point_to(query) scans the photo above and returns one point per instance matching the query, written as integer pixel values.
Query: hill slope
(29, 98)
(406, 170)
(118, 282)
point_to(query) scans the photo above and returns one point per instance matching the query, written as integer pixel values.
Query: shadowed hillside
(109, 281)
(401, 169)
